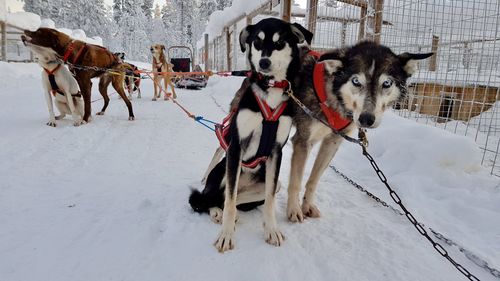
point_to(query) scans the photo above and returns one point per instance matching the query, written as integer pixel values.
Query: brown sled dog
(86, 55)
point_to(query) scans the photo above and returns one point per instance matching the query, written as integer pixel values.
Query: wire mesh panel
(458, 88)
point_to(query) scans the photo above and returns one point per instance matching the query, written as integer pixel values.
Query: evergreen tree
(147, 8)
(117, 9)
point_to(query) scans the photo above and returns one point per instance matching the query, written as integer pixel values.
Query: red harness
(270, 117)
(333, 117)
(157, 65)
(69, 51)
(55, 89)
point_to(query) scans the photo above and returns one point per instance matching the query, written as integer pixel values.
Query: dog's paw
(100, 113)
(274, 237)
(216, 215)
(51, 123)
(310, 210)
(225, 242)
(77, 123)
(131, 118)
(294, 213)
(153, 99)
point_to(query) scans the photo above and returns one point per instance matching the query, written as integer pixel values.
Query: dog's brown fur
(92, 56)
(160, 63)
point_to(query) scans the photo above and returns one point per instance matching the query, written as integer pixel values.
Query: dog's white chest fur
(249, 123)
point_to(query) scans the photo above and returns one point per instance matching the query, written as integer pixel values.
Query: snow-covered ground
(108, 200)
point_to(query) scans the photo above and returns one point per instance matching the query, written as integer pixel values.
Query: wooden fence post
(362, 23)
(374, 13)
(205, 54)
(3, 29)
(286, 10)
(312, 15)
(434, 49)
(228, 48)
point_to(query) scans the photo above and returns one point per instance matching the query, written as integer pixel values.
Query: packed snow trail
(108, 200)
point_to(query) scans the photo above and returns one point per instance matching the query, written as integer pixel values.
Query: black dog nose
(264, 63)
(366, 119)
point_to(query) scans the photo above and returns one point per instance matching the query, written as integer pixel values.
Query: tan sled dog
(161, 65)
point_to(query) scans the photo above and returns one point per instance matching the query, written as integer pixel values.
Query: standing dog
(91, 59)
(359, 84)
(258, 129)
(60, 84)
(160, 66)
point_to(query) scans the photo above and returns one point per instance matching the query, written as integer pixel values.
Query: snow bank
(24, 20)
(48, 23)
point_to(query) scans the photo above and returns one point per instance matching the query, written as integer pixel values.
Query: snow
(108, 200)
(24, 20)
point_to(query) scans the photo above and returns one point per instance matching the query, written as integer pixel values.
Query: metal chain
(468, 254)
(395, 197)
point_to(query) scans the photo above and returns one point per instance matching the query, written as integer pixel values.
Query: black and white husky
(360, 83)
(259, 127)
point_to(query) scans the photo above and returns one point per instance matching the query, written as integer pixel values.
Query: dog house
(450, 102)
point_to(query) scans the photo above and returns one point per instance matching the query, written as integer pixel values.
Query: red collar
(270, 82)
(333, 117)
(51, 72)
(69, 51)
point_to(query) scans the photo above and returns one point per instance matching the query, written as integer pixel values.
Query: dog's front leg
(225, 241)
(329, 147)
(299, 157)
(272, 234)
(155, 86)
(50, 107)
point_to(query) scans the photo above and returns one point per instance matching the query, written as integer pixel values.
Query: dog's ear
(409, 61)
(244, 36)
(333, 62)
(308, 35)
(298, 33)
(163, 47)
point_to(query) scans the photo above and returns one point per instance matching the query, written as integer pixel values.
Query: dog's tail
(201, 202)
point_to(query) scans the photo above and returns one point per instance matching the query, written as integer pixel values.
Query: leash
(395, 197)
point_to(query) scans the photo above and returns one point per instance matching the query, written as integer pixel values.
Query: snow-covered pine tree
(147, 8)
(133, 26)
(117, 9)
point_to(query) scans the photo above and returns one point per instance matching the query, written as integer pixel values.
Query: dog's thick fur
(92, 56)
(272, 51)
(69, 103)
(361, 83)
(160, 64)
(132, 76)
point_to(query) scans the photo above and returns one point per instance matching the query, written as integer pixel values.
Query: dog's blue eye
(387, 83)
(355, 82)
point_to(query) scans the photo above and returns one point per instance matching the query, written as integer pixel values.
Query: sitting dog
(160, 66)
(92, 61)
(60, 84)
(258, 128)
(348, 88)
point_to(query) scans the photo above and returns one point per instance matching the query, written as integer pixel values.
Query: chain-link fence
(457, 89)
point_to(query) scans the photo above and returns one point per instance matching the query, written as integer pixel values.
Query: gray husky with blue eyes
(359, 83)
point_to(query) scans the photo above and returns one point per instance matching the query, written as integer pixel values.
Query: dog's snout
(264, 63)
(366, 119)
